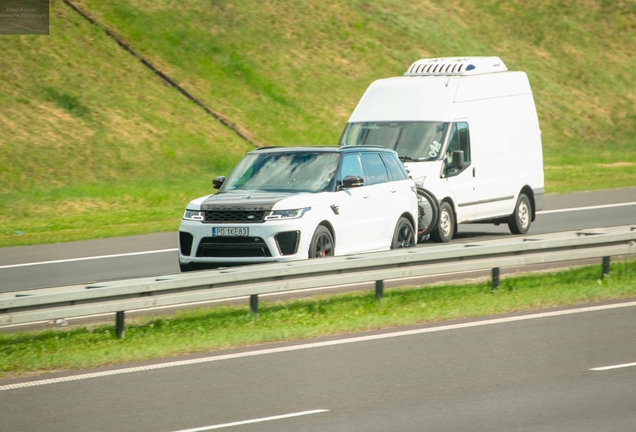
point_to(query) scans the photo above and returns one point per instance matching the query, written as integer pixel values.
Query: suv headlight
(286, 214)
(194, 215)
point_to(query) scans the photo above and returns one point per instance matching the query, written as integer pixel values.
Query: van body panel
(502, 129)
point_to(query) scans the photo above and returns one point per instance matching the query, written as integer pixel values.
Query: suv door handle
(393, 190)
(365, 196)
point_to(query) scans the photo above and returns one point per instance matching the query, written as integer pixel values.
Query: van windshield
(415, 141)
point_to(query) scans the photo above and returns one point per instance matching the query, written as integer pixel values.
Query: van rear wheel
(446, 228)
(519, 221)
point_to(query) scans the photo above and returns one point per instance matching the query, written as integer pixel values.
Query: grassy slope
(104, 148)
(92, 143)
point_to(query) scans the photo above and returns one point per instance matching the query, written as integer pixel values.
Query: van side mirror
(458, 160)
(218, 182)
(352, 181)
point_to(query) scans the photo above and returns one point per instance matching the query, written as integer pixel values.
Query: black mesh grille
(287, 242)
(185, 243)
(234, 216)
(233, 247)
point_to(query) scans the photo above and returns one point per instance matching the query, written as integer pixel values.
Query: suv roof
(319, 149)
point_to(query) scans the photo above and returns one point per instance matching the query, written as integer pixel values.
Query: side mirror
(458, 160)
(218, 182)
(352, 181)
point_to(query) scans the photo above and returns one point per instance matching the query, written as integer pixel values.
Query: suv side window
(374, 169)
(395, 167)
(350, 166)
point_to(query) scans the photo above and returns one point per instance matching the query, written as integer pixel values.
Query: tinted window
(395, 167)
(374, 169)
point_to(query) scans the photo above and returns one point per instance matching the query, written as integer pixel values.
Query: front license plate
(230, 232)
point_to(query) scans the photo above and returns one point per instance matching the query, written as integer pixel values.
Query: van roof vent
(456, 66)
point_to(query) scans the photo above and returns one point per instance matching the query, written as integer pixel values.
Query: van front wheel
(446, 227)
(519, 221)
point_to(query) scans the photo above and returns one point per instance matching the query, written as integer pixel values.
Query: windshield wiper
(407, 158)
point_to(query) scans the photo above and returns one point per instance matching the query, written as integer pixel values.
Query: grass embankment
(91, 139)
(223, 327)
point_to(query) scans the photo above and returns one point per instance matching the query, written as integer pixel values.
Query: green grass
(85, 124)
(222, 327)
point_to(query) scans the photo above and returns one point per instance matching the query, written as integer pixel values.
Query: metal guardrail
(132, 294)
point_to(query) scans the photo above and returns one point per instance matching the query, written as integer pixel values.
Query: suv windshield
(283, 172)
(415, 141)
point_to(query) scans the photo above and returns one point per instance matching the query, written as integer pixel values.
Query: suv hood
(243, 201)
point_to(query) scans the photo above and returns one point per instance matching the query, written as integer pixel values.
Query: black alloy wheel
(404, 235)
(322, 244)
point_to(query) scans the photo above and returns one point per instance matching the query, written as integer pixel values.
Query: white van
(468, 133)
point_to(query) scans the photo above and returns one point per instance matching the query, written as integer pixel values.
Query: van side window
(395, 167)
(374, 169)
(459, 140)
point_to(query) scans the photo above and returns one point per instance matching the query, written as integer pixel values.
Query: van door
(460, 178)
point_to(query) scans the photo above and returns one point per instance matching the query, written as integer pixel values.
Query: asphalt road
(30, 267)
(517, 373)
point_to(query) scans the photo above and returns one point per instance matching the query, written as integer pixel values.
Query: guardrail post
(495, 278)
(119, 325)
(606, 267)
(379, 289)
(254, 303)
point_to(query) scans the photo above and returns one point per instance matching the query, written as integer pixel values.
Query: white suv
(284, 204)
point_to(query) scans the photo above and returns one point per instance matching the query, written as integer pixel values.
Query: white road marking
(587, 208)
(344, 341)
(604, 368)
(244, 422)
(88, 258)
(175, 249)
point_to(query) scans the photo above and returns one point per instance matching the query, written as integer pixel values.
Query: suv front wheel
(322, 244)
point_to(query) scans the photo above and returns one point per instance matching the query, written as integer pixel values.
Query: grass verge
(224, 327)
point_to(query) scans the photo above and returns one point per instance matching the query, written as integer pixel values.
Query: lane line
(330, 343)
(586, 208)
(542, 212)
(604, 368)
(89, 258)
(259, 420)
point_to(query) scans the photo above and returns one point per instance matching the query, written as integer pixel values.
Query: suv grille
(234, 216)
(233, 247)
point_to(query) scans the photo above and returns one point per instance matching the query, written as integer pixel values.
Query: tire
(322, 244)
(428, 214)
(404, 235)
(519, 221)
(446, 226)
